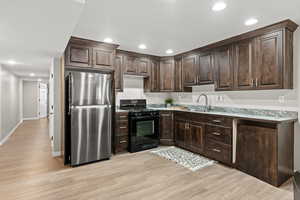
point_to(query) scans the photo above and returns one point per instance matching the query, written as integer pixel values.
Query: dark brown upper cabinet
(189, 70)
(205, 73)
(178, 75)
(78, 55)
(143, 66)
(103, 57)
(88, 53)
(119, 62)
(269, 70)
(154, 67)
(223, 65)
(244, 62)
(130, 65)
(167, 74)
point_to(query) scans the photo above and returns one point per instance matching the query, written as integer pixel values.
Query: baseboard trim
(56, 154)
(10, 133)
(33, 118)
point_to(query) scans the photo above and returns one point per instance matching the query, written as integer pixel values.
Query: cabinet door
(130, 65)
(78, 56)
(244, 65)
(154, 65)
(103, 58)
(178, 75)
(189, 70)
(180, 130)
(205, 71)
(118, 73)
(143, 66)
(195, 137)
(224, 68)
(167, 75)
(166, 128)
(256, 152)
(270, 60)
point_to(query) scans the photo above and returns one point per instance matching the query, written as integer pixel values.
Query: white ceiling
(34, 31)
(177, 24)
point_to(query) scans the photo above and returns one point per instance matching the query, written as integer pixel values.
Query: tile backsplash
(266, 99)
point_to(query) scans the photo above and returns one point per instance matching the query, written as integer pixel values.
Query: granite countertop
(241, 113)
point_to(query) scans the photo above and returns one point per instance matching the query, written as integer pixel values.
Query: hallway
(27, 153)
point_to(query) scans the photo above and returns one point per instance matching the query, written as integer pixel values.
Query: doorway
(43, 100)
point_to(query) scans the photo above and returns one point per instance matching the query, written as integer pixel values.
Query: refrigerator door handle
(70, 92)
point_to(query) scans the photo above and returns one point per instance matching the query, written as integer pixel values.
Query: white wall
(30, 99)
(9, 103)
(55, 100)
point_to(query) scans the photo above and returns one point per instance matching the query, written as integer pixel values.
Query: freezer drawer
(91, 129)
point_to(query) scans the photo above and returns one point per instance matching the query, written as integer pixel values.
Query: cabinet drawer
(218, 151)
(122, 116)
(121, 128)
(121, 144)
(220, 121)
(219, 134)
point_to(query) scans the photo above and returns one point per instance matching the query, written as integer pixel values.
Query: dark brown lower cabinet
(180, 129)
(195, 137)
(121, 139)
(166, 128)
(265, 151)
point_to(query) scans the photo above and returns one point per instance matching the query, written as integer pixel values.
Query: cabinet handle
(217, 150)
(123, 141)
(217, 121)
(123, 117)
(123, 127)
(216, 133)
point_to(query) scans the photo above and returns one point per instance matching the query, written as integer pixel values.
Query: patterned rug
(185, 158)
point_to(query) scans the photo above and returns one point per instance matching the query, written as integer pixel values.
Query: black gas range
(143, 125)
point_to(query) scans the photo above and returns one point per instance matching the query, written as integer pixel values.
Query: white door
(43, 100)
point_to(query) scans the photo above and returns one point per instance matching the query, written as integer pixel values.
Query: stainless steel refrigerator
(88, 117)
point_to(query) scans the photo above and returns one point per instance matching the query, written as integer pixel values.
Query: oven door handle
(144, 118)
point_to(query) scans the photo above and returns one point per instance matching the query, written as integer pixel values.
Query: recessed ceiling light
(169, 51)
(218, 6)
(31, 74)
(142, 46)
(251, 21)
(108, 40)
(11, 62)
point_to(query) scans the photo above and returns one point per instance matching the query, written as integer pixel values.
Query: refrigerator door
(90, 133)
(89, 88)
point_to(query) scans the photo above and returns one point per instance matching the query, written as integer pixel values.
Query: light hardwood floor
(27, 171)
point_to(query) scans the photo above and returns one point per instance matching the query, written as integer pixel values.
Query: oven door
(144, 132)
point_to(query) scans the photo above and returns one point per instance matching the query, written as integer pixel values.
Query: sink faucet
(207, 106)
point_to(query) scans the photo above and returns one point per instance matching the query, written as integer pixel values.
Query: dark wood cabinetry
(78, 55)
(178, 85)
(151, 84)
(269, 71)
(265, 150)
(143, 66)
(88, 53)
(195, 137)
(223, 65)
(166, 128)
(205, 73)
(189, 70)
(119, 63)
(130, 65)
(103, 57)
(121, 132)
(167, 73)
(244, 71)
